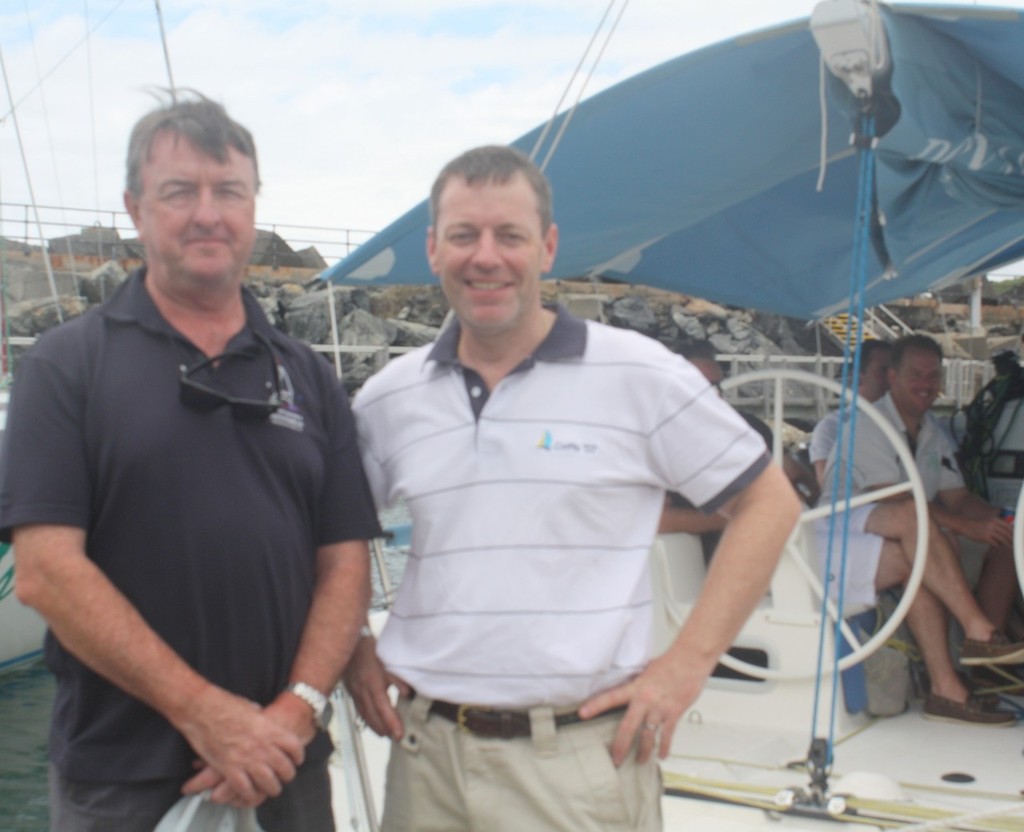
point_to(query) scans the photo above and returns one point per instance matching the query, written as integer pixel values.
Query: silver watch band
(312, 697)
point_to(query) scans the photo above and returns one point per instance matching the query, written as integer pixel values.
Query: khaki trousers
(442, 779)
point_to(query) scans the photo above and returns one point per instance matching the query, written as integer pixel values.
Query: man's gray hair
(495, 163)
(203, 122)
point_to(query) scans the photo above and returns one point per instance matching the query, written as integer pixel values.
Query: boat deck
(909, 771)
(906, 765)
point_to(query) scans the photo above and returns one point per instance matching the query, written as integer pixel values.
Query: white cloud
(354, 106)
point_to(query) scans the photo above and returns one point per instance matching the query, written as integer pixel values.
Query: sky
(354, 104)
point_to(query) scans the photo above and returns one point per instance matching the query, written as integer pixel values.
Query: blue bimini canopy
(701, 175)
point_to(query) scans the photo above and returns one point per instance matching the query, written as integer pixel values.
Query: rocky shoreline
(397, 317)
(380, 320)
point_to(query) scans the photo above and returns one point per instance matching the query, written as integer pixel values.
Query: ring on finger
(652, 726)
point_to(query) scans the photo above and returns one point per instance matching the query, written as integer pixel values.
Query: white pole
(976, 327)
(334, 331)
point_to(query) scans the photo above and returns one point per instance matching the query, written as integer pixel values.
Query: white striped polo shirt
(527, 582)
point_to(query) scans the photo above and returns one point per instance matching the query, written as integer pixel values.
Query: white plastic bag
(196, 813)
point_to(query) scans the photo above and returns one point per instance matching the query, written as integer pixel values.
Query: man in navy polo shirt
(533, 450)
(183, 489)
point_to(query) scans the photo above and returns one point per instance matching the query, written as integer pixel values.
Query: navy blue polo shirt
(208, 524)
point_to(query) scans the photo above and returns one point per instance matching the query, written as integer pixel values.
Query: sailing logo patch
(548, 442)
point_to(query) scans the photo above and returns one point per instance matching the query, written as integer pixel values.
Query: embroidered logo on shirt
(549, 443)
(287, 415)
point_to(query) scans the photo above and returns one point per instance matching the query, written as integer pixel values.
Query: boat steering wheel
(772, 383)
(1018, 540)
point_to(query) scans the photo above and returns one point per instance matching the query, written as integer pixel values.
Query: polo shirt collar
(131, 303)
(888, 406)
(566, 340)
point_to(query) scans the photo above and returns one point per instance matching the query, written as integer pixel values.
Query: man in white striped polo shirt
(533, 450)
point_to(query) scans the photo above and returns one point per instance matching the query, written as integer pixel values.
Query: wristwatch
(321, 705)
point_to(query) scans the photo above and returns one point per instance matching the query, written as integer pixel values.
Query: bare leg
(943, 576)
(997, 586)
(926, 619)
(927, 622)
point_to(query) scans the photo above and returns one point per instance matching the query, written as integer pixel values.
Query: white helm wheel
(771, 384)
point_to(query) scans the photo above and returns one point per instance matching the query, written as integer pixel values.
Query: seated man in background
(915, 377)
(873, 382)
(883, 537)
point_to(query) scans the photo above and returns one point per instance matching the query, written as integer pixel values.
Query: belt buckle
(462, 713)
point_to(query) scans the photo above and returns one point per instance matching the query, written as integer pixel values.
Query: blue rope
(843, 468)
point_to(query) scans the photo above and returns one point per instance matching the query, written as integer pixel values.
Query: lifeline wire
(844, 454)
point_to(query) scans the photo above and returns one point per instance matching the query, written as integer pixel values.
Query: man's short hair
(868, 348)
(495, 163)
(203, 122)
(914, 342)
(698, 349)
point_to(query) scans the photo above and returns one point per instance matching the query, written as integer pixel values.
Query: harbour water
(26, 697)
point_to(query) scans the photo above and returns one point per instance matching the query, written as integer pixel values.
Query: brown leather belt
(492, 723)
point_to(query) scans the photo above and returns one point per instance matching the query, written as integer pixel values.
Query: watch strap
(312, 697)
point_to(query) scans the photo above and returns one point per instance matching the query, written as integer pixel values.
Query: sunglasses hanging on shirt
(202, 398)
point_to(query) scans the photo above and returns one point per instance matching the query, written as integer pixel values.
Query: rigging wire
(167, 54)
(847, 413)
(15, 104)
(49, 142)
(572, 79)
(593, 68)
(31, 191)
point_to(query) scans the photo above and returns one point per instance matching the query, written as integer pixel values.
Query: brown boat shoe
(997, 650)
(940, 709)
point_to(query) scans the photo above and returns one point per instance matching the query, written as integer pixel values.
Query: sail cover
(701, 174)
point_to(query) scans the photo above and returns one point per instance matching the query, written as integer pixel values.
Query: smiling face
(915, 382)
(489, 250)
(195, 215)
